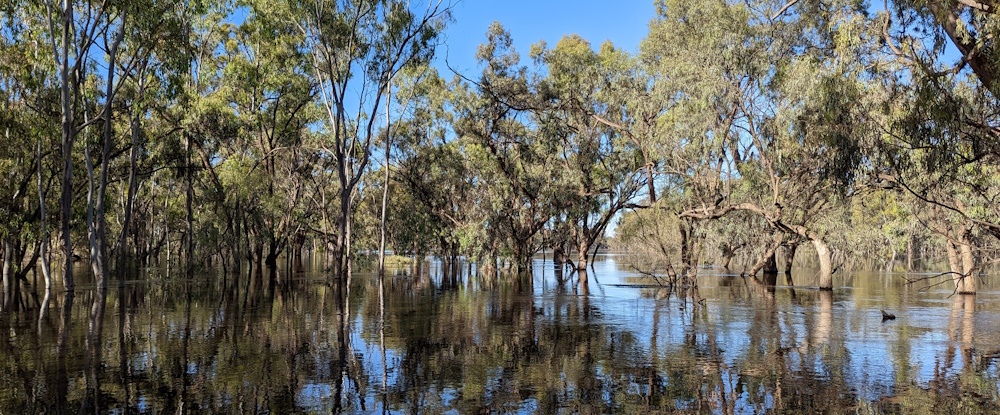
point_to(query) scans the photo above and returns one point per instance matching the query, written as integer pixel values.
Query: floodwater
(436, 344)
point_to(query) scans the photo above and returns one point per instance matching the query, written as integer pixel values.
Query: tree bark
(96, 260)
(582, 254)
(189, 255)
(650, 182)
(771, 263)
(961, 262)
(765, 257)
(558, 263)
(825, 264)
(909, 250)
(300, 240)
(968, 285)
(271, 259)
(44, 238)
(8, 273)
(790, 258)
(340, 251)
(789, 262)
(68, 138)
(689, 254)
(385, 187)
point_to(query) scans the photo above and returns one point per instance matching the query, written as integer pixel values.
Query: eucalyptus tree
(356, 47)
(939, 123)
(603, 170)
(514, 161)
(433, 205)
(72, 46)
(266, 80)
(776, 114)
(933, 156)
(918, 33)
(29, 95)
(152, 64)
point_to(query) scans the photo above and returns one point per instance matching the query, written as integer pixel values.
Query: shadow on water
(435, 339)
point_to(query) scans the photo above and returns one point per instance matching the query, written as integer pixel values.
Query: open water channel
(436, 344)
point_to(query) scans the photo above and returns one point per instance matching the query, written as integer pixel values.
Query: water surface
(440, 343)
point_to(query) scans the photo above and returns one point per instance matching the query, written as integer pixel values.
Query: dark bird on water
(887, 316)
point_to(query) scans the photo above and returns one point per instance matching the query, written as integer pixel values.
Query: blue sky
(623, 22)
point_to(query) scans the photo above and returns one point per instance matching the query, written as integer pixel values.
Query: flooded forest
(299, 206)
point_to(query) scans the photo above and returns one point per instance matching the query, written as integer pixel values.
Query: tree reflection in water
(438, 340)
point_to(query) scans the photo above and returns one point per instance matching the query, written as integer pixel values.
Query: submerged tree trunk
(790, 258)
(189, 257)
(130, 198)
(96, 259)
(789, 261)
(43, 240)
(385, 187)
(68, 138)
(582, 255)
(825, 264)
(271, 259)
(766, 258)
(300, 240)
(8, 272)
(558, 262)
(340, 249)
(689, 253)
(100, 224)
(968, 265)
(962, 263)
(771, 263)
(909, 250)
(727, 256)
(770, 270)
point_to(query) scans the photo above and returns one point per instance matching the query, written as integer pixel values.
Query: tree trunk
(300, 240)
(340, 249)
(650, 182)
(558, 263)
(258, 254)
(8, 273)
(96, 259)
(689, 254)
(349, 249)
(582, 254)
(909, 250)
(790, 258)
(68, 138)
(100, 224)
(727, 259)
(771, 269)
(43, 240)
(522, 266)
(789, 262)
(190, 210)
(771, 263)
(385, 188)
(968, 266)
(271, 259)
(765, 258)
(130, 198)
(825, 264)
(963, 263)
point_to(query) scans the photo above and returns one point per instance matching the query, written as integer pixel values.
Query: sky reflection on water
(461, 345)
